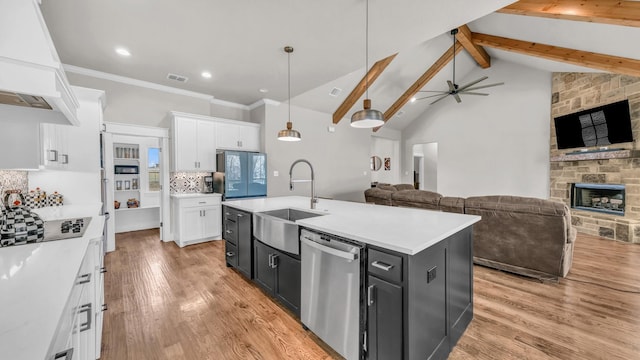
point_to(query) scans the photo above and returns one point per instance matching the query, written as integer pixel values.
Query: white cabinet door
(249, 138)
(206, 141)
(185, 147)
(212, 219)
(190, 224)
(226, 136)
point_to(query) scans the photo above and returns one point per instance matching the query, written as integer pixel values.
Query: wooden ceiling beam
(626, 13)
(420, 83)
(360, 89)
(477, 52)
(609, 63)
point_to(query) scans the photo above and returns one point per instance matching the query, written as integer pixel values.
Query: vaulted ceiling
(240, 42)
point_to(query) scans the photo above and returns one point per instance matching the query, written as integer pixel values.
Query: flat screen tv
(601, 126)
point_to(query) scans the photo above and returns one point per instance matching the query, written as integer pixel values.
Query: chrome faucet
(314, 198)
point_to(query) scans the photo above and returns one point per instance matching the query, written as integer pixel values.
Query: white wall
(78, 188)
(340, 159)
(386, 148)
(498, 144)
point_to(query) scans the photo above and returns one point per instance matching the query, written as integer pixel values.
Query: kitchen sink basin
(278, 228)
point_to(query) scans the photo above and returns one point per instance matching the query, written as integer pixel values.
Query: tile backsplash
(12, 179)
(186, 182)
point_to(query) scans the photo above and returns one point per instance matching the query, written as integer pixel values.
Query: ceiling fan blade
(473, 83)
(430, 96)
(474, 93)
(434, 91)
(457, 97)
(484, 86)
(442, 97)
(452, 86)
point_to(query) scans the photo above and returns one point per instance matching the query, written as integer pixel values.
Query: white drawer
(200, 201)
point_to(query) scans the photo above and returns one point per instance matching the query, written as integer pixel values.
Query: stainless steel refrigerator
(240, 174)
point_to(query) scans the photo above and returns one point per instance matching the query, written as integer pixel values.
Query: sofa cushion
(402, 187)
(517, 204)
(378, 196)
(416, 198)
(386, 187)
(452, 204)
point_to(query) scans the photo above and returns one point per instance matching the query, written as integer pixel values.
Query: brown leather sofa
(527, 236)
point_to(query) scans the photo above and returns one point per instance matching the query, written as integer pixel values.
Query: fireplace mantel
(598, 155)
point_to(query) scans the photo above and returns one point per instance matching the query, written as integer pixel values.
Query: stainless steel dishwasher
(331, 289)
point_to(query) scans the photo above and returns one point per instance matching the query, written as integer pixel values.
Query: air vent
(335, 92)
(176, 77)
(400, 113)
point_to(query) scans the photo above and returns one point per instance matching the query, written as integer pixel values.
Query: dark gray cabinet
(278, 273)
(237, 234)
(419, 305)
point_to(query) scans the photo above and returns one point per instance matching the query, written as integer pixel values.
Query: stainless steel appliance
(208, 184)
(331, 289)
(240, 174)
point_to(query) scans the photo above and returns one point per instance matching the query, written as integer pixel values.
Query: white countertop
(405, 230)
(35, 282)
(194, 195)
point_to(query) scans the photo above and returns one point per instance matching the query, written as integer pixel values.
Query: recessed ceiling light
(122, 51)
(206, 75)
(263, 90)
(413, 99)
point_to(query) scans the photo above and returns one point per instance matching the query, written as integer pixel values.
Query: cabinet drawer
(385, 266)
(200, 201)
(230, 229)
(231, 254)
(229, 214)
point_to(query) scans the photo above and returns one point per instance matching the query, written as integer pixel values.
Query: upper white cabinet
(194, 143)
(195, 139)
(237, 136)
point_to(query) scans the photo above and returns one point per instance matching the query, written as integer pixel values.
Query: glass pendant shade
(289, 134)
(367, 117)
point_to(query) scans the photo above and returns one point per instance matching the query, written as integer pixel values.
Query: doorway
(425, 166)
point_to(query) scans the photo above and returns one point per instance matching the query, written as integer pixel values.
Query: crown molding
(263, 102)
(134, 82)
(229, 104)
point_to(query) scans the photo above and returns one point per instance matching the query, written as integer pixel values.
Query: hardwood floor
(171, 303)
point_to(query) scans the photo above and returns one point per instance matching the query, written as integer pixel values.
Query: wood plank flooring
(171, 303)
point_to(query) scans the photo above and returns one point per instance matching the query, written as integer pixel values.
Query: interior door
(235, 174)
(257, 174)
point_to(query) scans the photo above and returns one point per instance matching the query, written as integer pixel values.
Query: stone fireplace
(599, 170)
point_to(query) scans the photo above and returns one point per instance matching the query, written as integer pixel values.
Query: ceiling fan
(454, 89)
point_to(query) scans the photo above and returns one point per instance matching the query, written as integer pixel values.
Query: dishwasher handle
(329, 250)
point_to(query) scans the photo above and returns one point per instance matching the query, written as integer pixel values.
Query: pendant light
(367, 117)
(289, 134)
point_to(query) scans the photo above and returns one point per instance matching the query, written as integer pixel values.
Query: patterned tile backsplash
(10, 179)
(186, 182)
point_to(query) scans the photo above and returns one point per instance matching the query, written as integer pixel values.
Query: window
(154, 169)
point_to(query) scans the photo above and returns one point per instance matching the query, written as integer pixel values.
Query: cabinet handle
(239, 215)
(239, 143)
(104, 307)
(53, 156)
(86, 308)
(66, 355)
(370, 295)
(274, 261)
(270, 260)
(103, 270)
(202, 202)
(204, 213)
(227, 214)
(86, 278)
(382, 266)
(230, 254)
(65, 158)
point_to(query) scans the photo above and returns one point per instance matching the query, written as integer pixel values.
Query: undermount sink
(278, 228)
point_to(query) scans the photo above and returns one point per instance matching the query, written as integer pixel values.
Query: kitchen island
(418, 271)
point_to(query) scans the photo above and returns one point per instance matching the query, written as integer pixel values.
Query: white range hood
(31, 74)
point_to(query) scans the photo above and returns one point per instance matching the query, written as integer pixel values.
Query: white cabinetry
(237, 135)
(79, 332)
(54, 142)
(193, 143)
(197, 218)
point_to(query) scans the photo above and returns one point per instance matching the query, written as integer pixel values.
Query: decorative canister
(116, 204)
(17, 224)
(40, 199)
(30, 200)
(133, 203)
(56, 199)
(13, 198)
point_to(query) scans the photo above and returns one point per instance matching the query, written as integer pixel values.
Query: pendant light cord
(366, 36)
(454, 60)
(289, 77)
